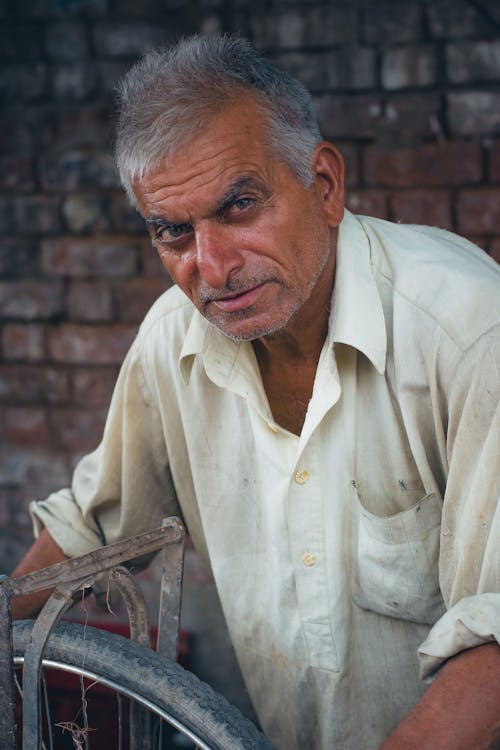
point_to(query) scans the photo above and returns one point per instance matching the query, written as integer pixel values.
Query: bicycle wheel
(178, 697)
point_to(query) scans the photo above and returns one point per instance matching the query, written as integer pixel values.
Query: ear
(328, 175)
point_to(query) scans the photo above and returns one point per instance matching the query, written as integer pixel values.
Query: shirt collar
(356, 319)
(357, 316)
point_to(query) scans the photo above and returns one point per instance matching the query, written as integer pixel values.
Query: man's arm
(460, 710)
(43, 552)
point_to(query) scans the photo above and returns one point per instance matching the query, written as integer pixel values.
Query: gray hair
(168, 97)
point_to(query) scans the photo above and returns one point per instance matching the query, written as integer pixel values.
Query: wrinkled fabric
(340, 554)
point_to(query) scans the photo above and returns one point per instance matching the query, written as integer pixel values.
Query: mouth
(238, 301)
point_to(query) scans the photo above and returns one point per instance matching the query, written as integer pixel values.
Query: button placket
(307, 543)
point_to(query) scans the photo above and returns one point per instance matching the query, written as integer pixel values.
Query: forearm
(43, 552)
(460, 710)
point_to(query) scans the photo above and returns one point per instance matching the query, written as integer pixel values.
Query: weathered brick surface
(25, 426)
(474, 112)
(433, 207)
(429, 164)
(77, 430)
(495, 161)
(90, 301)
(368, 202)
(27, 384)
(475, 61)
(23, 342)
(92, 387)
(409, 67)
(479, 210)
(81, 344)
(30, 300)
(393, 23)
(95, 256)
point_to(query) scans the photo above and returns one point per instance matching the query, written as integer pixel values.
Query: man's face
(236, 230)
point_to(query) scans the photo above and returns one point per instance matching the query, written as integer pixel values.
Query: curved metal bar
(60, 601)
(135, 603)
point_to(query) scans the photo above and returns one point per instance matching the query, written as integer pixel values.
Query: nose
(217, 255)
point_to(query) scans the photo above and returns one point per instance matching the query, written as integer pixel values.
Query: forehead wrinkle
(217, 200)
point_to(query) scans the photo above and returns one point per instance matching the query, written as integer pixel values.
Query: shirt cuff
(471, 622)
(62, 518)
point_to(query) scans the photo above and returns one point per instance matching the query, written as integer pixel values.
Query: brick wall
(410, 91)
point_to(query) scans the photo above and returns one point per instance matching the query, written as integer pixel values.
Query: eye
(169, 232)
(240, 204)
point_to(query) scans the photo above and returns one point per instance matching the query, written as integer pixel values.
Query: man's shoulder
(439, 275)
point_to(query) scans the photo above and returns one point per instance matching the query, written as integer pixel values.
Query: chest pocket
(396, 561)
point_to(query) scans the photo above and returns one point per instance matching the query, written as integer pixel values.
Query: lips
(239, 301)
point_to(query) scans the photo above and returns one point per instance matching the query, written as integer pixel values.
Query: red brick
(367, 202)
(66, 41)
(432, 207)
(21, 81)
(410, 114)
(495, 161)
(73, 81)
(127, 39)
(392, 22)
(94, 256)
(83, 127)
(354, 116)
(86, 213)
(24, 426)
(93, 387)
(456, 19)
(23, 342)
(86, 344)
(298, 28)
(33, 385)
(473, 61)
(478, 210)
(135, 297)
(36, 214)
(77, 169)
(18, 256)
(77, 430)
(90, 301)
(36, 471)
(29, 300)
(17, 173)
(428, 164)
(474, 112)
(405, 67)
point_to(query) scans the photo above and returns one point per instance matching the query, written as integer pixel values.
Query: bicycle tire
(138, 672)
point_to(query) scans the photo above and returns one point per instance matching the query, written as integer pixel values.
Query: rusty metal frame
(68, 578)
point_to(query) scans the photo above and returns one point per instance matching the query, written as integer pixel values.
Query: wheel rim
(82, 671)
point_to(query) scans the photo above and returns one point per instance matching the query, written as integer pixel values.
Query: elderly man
(317, 397)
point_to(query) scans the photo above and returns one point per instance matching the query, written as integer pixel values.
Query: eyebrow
(232, 193)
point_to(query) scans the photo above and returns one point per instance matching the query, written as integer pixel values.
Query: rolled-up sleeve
(470, 531)
(124, 486)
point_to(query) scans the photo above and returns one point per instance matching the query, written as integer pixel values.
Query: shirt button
(301, 476)
(309, 559)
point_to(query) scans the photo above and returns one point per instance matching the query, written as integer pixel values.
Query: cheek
(180, 270)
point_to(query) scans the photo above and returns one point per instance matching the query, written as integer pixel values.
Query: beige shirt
(339, 554)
